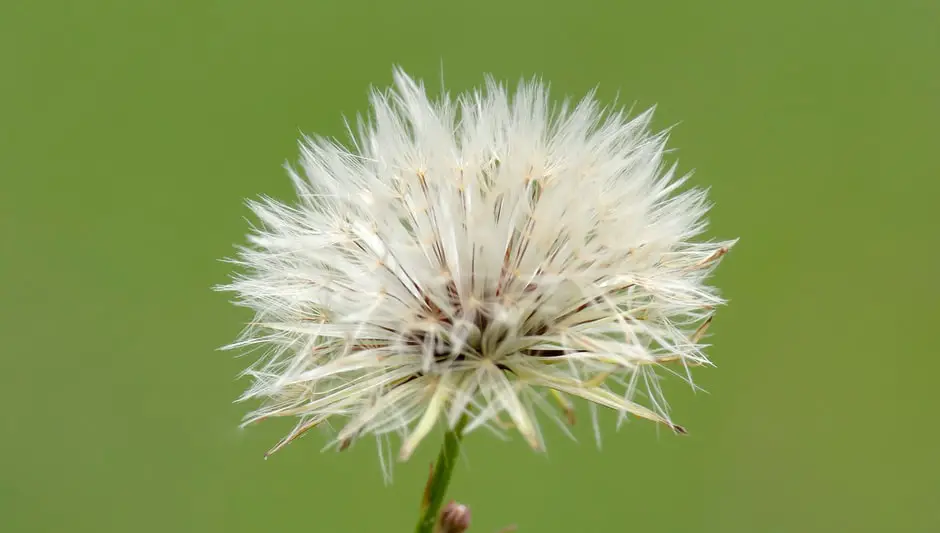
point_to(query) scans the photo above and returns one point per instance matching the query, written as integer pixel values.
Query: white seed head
(479, 258)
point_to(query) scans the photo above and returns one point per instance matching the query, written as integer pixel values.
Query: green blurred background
(131, 132)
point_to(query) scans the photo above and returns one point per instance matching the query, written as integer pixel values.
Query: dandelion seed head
(487, 258)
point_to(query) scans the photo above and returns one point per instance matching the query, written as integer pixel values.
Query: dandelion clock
(472, 262)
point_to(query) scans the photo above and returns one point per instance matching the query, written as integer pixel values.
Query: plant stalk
(440, 477)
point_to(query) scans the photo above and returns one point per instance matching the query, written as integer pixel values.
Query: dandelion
(476, 262)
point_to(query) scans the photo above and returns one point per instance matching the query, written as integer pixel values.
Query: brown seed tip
(455, 518)
(570, 415)
(679, 429)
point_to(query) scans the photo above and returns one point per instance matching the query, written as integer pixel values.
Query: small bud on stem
(455, 518)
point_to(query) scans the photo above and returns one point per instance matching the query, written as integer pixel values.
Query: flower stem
(440, 477)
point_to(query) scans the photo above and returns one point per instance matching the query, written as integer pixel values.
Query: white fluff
(476, 259)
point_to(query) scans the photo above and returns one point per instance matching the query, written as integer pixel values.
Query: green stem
(440, 477)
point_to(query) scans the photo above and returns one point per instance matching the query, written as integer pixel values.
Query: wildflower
(472, 260)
